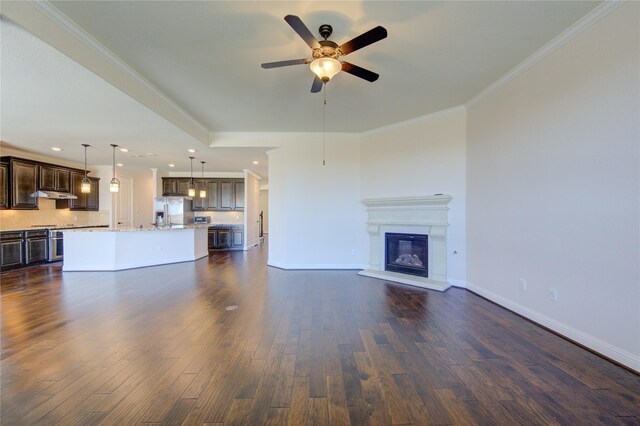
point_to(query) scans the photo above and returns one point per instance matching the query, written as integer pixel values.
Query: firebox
(407, 254)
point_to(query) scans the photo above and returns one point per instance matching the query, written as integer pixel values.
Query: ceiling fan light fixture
(325, 68)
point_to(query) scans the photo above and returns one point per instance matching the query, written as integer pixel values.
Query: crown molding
(46, 22)
(578, 27)
(252, 173)
(416, 120)
(269, 139)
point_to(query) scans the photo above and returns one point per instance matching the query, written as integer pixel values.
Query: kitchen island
(115, 249)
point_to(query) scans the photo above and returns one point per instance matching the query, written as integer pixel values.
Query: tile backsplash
(49, 215)
(224, 217)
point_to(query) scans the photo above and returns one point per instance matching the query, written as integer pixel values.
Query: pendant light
(85, 185)
(114, 185)
(192, 189)
(203, 191)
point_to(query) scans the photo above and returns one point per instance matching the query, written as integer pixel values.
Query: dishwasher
(55, 245)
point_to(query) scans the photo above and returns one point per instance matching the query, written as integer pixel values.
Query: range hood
(54, 195)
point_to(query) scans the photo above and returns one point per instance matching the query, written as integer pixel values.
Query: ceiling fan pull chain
(324, 120)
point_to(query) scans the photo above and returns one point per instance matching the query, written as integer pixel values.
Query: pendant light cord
(324, 120)
(191, 158)
(114, 162)
(85, 162)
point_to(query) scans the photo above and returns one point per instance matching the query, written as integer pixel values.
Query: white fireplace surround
(411, 215)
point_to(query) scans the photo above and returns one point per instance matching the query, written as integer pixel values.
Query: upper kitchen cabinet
(21, 178)
(222, 194)
(55, 179)
(175, 187)
(199, 203)
(24, 184)
(212, 194)
(88, 202)
(4, 185)
(227, 198)
(238, 192)
(231, 194)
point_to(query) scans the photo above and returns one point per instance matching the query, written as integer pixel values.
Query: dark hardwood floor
(157, 346)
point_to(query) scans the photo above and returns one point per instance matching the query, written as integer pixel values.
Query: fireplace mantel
(416, 215)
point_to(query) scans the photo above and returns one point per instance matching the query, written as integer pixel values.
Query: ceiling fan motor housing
(325, 31)
(327, 49)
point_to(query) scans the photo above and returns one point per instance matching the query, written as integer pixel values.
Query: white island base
(105, 249)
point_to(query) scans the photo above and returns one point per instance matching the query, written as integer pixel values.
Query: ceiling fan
(325, 53)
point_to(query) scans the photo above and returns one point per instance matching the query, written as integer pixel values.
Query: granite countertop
(56, 227)
(144, 229)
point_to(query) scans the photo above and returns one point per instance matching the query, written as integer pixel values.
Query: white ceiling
(206, 56)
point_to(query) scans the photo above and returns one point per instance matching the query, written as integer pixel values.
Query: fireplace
(424, 219)
(407, 254)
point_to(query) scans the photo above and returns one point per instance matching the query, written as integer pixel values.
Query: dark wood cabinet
(223, 238)
(213, 239)
(35, 246)
(21, 178)
(238, 194)
(11, 252)
(175, 187)
(198, 203)
(237, 237)
(226, 237)
(76, 189)
(4, 186)
(226, 195)
(183, 187)
(222, 194)
(93, 198)
(55, 179)
(24, 184)
(85, 202)
(212, 194)
(169, 187)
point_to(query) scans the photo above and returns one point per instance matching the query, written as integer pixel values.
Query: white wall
(553, 184)
(317, 219)
(142, 194)
(422, 157)
(143, 189)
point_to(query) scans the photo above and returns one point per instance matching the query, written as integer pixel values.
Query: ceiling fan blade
(302, 30)
(363, 40)
(317, 85)
(359, 72)
(285, 63)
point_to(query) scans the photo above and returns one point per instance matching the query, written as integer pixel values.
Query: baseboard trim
(591, 343)
(458, 283)
(312, 266)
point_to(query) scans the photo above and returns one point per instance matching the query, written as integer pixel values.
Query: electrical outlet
(523, 284)
(553, 294)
